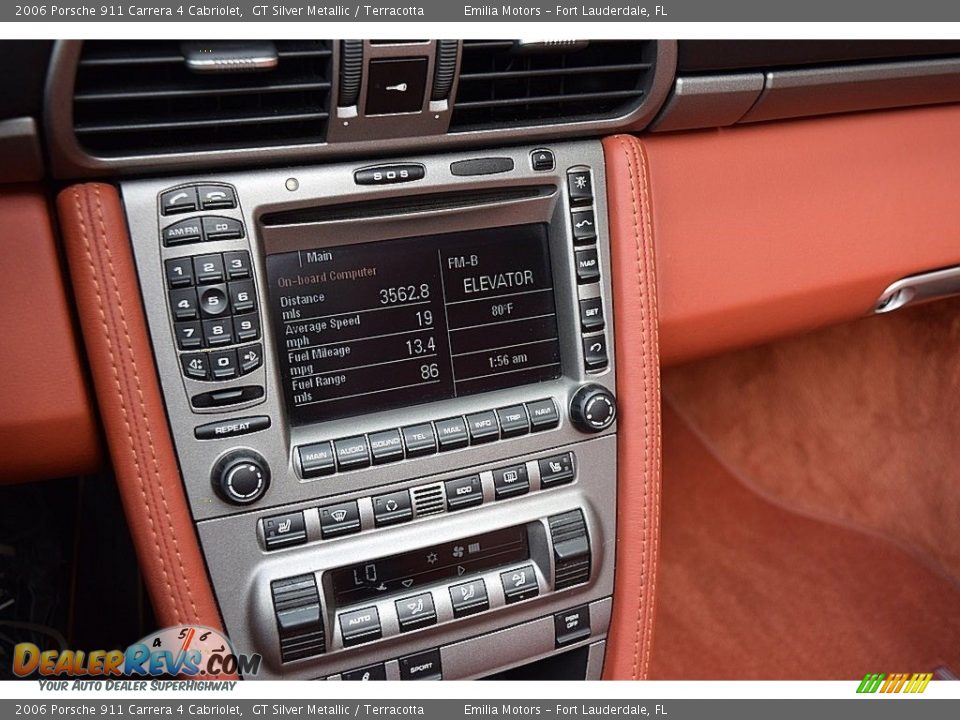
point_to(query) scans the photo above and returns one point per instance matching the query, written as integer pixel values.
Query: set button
(591, 314)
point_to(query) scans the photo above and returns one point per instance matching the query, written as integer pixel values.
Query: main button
(513, 421)
(556, 470)
(543, 414)
(352, 453)
(464, 492)
(416, 612)
(231, 428)
(360, 626)
(519, 584)
(419, 439)
(316, 459)
(469, 598)
(339, 519)
(452, 433)
(511, 481)
(392, 508)
(483, 427)
(422, 666)
(386, 446)
(287, 530)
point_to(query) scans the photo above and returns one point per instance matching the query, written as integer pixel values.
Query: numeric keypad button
(179, 272)
(218, 332)
(246, 327)
(195, 365)
(213, 300)
(208, 269)
(188, 335)
(183, 304)
(242, 296)
(237, 264)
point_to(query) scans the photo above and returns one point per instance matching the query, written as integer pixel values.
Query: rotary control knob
(241, 477)
(593, 408)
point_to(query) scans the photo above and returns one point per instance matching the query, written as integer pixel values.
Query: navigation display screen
(368, 327)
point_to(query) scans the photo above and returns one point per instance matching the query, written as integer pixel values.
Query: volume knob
(593, 408)
(241, 477)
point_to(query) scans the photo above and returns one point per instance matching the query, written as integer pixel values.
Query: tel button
(179, 200)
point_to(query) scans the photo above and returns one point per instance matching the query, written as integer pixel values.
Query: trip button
(543, 414)
(419, 439)
(392, 508)
(595, 352)
(483, 427)
(416, 612)
(588, 266)
(179, 272)
(352, 453)
(281, 531)
(572, 625)
(519, 584)
(422, 666)
(360, 626)
(182, 232)
(510, 481)
(340, 519)
(556, 470)
(179, 200)
(464, 492)
(386, 446)
(591, 314)
(452, 433)
(469, 598)
(584, 226)
(216, 227)
(513, 421)
(316, 459)
(216, 197)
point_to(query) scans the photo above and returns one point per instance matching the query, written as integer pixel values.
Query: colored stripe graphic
(894, 683)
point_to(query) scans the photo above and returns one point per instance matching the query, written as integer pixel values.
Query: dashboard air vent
(506, 83)
(142, 97)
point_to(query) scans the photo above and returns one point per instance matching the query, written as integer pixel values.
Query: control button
(541, 160)
(216, 227)
(519, 584)
(242, 296)
(395, 86)
(246, 327)
(188, 334)
(224, 398)
(469, 598)
(182, 232)
(591, 314)
(179, 272)
(386, 446)
(281, 531)
(595, 352)
(588, 266)
(388, 174)
(241, 477)
(452, 433)
(316, 459)
(195, 366)
(377, 671)
(223, 364)
(543, 414)
(464, 492)
(419, 439)
(237, 264)
(352, 453)
(584, 226)
(593, 408)
(218, 332)
(422, 666)
(572, 625)
(513, 421)
(392, 508)
(180, 200)
(483, 427)
(216, 197)
(213, 300)
(251, 357)
(510, 481)
(340, 519)
(183, 304)
(208, 269)
(416, 612)
(580, 187)
(360, 626)
(231, 428)
(556, 470)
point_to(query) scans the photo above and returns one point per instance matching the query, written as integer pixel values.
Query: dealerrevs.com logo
(191, 651)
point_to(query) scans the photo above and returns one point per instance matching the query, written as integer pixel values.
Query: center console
(390, 388)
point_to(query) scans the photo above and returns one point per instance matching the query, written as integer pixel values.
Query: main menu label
(373, 326)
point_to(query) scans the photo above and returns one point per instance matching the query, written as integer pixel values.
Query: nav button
(543, 414)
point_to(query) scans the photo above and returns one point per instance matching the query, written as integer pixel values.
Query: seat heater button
(360, 626)
(556, 470)
(286, 530)
(416, 612)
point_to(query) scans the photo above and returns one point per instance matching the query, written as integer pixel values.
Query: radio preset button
(543, 414)
(213, 300)
(511, 481)
(189, 334)
(352, 453)
(416, 612)
(464, 492)
(452, 433)
(422, 666)
(178, 200)
(246, 327)
(218, 332)
(223, 364)
(237, 264)
(392, 508)
(469, 598)
(182, 232)
(513, 421)
(179, 272)
(360, 626)
(483, 427)
(284, 530)
(242, 296)
(208, 269)
(419, 439)
(221, 228)
(519, 584)
(316, 459)
(556, 470)
(386, 446)
(339, 519)
(183, 304)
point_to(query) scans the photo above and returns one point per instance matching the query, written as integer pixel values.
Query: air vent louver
(138, 97)
(504, 84)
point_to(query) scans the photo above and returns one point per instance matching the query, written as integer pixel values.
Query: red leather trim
(770, 230)
(124, 375)
(638, 393)
(48, 426)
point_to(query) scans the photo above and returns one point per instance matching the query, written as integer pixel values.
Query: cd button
(392, 508)
(464, 492)
(543, 414)
(352, 453)
(510, 481)
(360, 626)
(513, 421)
(483, 427)
(386, 446)
(519, 584)
(419, 440)
(469, 598)
(316, 459)
(340, 519)
(182, 232)
(416, 612)
(221, 228)
(452, 433)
